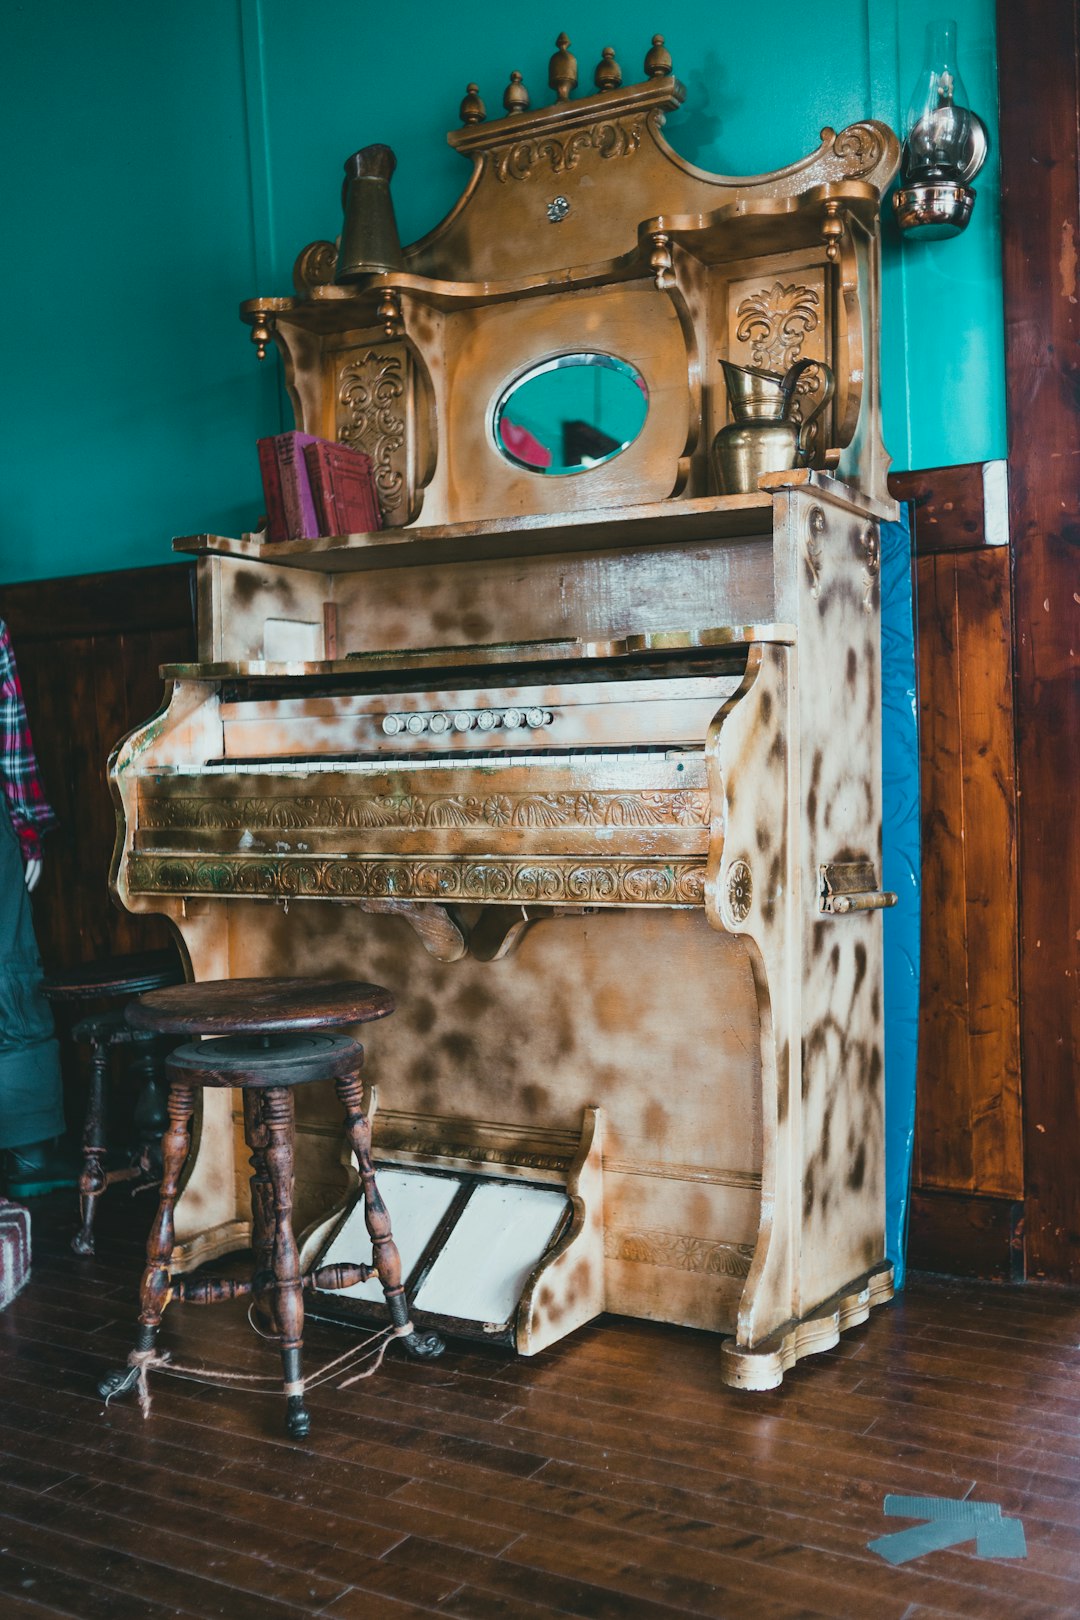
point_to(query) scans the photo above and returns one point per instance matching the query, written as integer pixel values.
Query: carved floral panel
(372, 415)
(679, 807)
(774, 321)
(678, 1251)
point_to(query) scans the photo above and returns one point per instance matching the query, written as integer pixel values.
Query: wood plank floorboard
(613, 1476)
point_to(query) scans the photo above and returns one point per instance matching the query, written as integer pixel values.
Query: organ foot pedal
(499, 1242)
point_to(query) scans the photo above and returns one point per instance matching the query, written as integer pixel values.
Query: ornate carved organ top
(579, 755)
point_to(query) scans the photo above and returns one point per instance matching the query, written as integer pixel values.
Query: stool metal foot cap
(118, 1382)
(81, 1244)
(297, 1417)
(424, 1346)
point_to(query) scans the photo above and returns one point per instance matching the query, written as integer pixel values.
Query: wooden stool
(273, 1041)
(109, 980)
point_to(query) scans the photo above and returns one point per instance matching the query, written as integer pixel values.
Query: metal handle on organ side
(848, 886)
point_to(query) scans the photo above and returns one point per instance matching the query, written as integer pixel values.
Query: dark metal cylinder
(369, 238)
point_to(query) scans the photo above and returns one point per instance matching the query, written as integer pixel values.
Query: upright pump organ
(577, 755)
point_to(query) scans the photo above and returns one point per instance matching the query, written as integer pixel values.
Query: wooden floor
(612, 1476)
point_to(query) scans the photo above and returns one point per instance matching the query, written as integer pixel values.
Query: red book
(343, 487)
(271, 483)
(287, 488)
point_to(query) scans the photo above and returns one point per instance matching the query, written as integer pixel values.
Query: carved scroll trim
(673, 807)
(611, 138)
(678, 1252)
(369, 391)
(576, 880)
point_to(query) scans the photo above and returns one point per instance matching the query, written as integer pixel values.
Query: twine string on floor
(372, 1349)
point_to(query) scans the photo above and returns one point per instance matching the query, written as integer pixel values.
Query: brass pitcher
(763, 438)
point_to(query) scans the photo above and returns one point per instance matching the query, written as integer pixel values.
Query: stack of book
(315, 487)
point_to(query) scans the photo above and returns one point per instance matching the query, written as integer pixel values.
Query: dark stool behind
(273, 1040)
(112, 979)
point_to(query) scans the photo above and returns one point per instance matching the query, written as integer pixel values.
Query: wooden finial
(661, 263)
(832, 230)
(658, 61)
(562, 70)
(515, 96)
(608, 75)
(472, 110)
(390, 313)
(262, 332)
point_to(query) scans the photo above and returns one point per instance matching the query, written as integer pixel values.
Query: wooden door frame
(1039, 87)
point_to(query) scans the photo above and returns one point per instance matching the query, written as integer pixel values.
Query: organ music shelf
(607, 528)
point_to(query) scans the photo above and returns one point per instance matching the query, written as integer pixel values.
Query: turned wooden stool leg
(277, 1112)
(263, 1222)
(154, 1293)
(377, 1219)
(151, 1103)
(92, 1182)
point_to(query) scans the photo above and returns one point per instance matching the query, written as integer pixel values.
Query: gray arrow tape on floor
(948, 1523)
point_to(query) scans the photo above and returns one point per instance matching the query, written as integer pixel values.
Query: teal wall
(165, 161)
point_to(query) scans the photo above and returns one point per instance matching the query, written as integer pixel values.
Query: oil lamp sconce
(945, 145)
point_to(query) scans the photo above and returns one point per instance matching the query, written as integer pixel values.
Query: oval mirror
(570, 413)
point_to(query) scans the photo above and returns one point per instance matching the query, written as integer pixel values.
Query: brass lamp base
(933, 212)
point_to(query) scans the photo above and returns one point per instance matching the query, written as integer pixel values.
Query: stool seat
(111, 978)
(270, 1039)
(268, 1006)
(115, 976)
(111, 1029)
(273, 1060)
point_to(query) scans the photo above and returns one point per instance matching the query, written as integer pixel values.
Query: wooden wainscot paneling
(88, 650)
(968, 1167)
(966, 1235)
(956, 508)
(1040, 174)
(969, 1126)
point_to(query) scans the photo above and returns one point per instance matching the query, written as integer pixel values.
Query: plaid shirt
(30, 814)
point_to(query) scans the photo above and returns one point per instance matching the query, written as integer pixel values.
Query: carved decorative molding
(861, 147)
(575, 881)
(403, 1130)
(658, 807)
(740, 891)
(316, 266)
(611, 138)
(373, 401)
(472, 1153)
(815, 528)
(870, 542)
(775, 322)
(678, 1252)
(747, 1180)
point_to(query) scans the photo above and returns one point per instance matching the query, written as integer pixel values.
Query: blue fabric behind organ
(901, 871)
